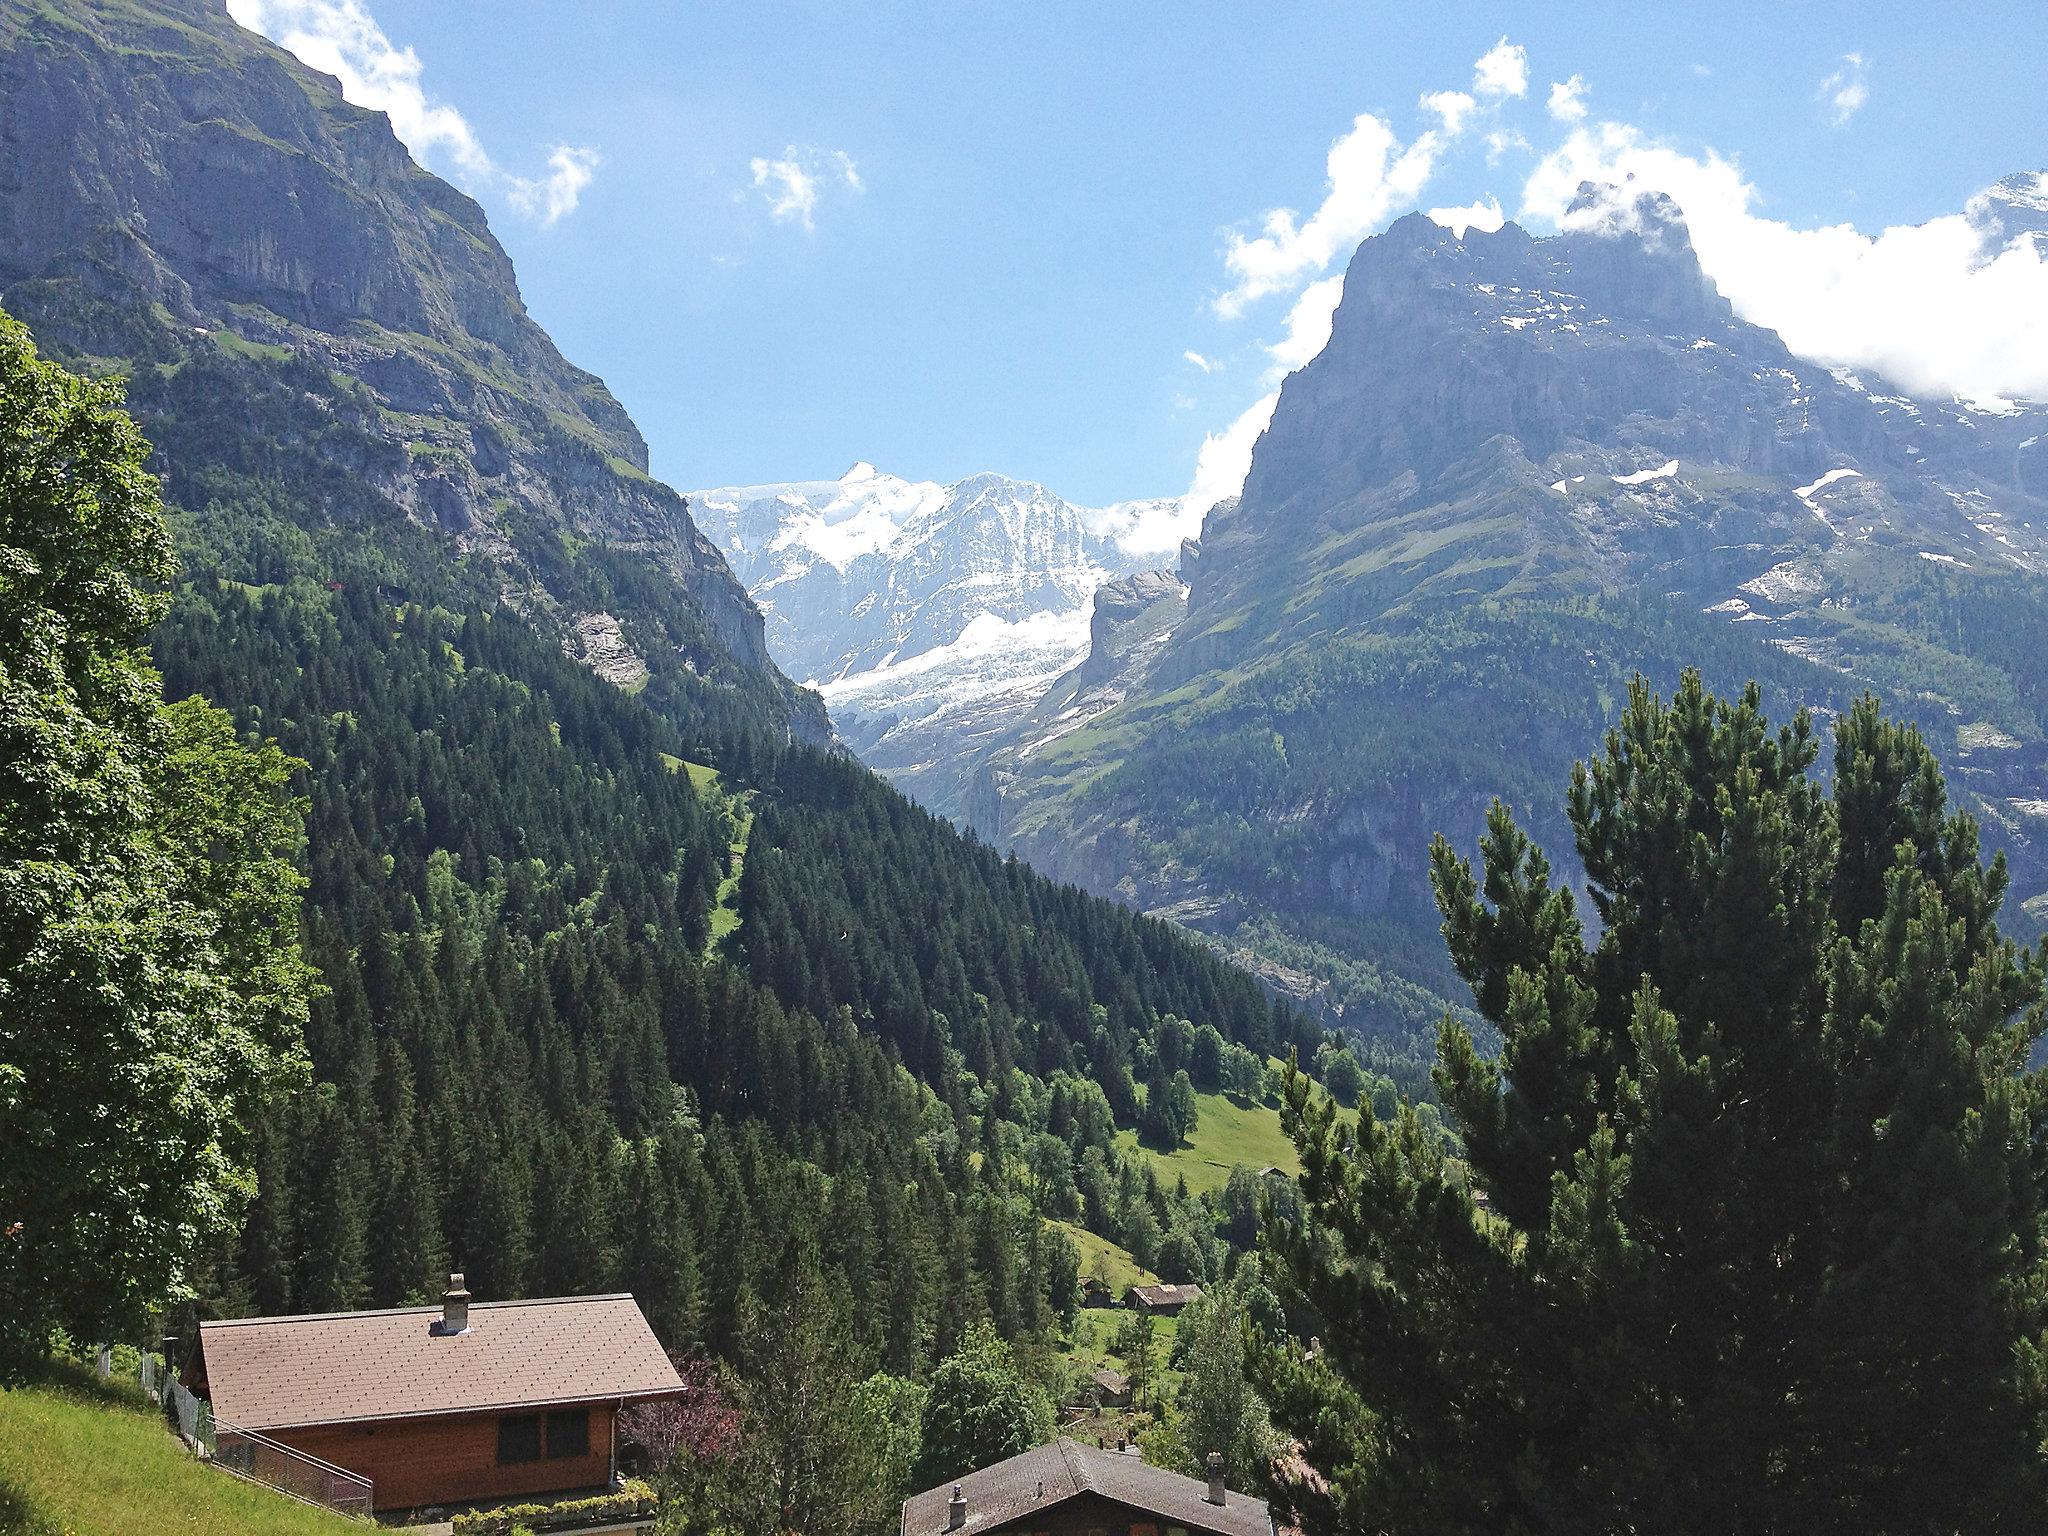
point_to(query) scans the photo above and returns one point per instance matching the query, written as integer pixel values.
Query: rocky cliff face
(1521, 469)
(1503, 414)
(171, 183)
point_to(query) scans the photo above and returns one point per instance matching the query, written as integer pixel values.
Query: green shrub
(633, 1498)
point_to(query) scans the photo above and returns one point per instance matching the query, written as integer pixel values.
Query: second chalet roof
(338, 1367)
(1024, 1485)
(1167, 1295)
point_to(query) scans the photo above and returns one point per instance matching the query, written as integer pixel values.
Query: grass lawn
(1225, 1135)
(725, 916)
(1103, 1259)
(81, 1459)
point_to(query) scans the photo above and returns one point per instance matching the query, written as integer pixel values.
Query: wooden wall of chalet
(452, 1460)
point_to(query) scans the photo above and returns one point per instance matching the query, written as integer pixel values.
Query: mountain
(928, 616)
(194, 191)
(631, 980)
(1521, 469)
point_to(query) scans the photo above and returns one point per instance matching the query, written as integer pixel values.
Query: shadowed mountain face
(1522, 469)
(174, 188)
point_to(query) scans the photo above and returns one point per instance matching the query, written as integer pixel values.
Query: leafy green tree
(1341, 1074)
(890, 1413)
(1216, 1408)
(1137, 1342)
(152, 994)
(1062, 1267)
(980, 1409)
(805, 1461)
(1765, 1242)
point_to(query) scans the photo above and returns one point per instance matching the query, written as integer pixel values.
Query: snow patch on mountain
(928, 615)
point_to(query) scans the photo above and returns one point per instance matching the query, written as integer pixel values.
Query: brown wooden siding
(450, 1460)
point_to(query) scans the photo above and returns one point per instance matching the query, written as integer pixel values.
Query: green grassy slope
(1225, 1135)
(81, 1459)
(1104, 1260)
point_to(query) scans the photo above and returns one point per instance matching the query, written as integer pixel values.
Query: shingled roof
(1051, 1474)
(342, 1367)
(1167, 1295)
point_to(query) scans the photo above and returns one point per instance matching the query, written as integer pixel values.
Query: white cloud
(1226, 458)
(1451, 107)
(1370, 173)
(341, 38)
(1500, 141)
(1308, 323)
(551, 196)
(1503, 70)
(1933, 307)
(1568, 99)
(1483, 216)
(1207, 365)
(792, 191)
(1844, 92)
(792, 183)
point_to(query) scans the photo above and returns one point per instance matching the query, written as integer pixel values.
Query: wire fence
(246, 1453)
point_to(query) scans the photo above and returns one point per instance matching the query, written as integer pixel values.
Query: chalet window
(569, 1433)
(519, 1438)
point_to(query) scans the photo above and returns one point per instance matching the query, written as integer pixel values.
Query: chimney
(1215, 1478)
(956, 1509)
(454, 1307)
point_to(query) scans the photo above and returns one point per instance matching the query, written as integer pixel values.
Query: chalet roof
(1112, 1381)
(338, 1367)
(1168, 1295)
(1052, 1474)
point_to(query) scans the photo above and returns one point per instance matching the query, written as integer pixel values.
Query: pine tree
(1763, 1248)
(407, 1258)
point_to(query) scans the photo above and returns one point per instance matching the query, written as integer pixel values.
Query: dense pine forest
(531, 1059)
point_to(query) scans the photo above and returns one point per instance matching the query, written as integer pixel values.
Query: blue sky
(986, 236)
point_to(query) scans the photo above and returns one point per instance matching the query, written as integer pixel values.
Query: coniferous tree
(1763, 1246)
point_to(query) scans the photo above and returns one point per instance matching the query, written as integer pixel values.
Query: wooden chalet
(1071, 1489)
(1112, 1388)
(1161, 1300)
(444, 1405)
(1096, 1293)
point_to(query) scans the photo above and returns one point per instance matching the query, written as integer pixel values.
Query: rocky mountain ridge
(928, 616)
(172, 185)
(1521, 468)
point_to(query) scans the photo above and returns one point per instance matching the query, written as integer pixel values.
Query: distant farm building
(1112, 1388)
(1070, 1489)
(443, 1405)
(1161, 1300)
(1096, 1293)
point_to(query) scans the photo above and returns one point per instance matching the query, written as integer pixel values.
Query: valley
(1482, 969)
(1523, 469)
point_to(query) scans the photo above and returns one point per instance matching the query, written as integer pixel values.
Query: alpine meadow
(1480, 970)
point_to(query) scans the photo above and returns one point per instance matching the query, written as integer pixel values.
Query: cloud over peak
(341, 38)
(1954, 306)
(1371, 172)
